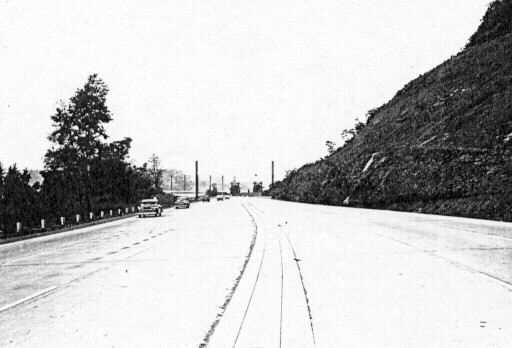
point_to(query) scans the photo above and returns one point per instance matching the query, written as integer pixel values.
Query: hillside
(442, 145)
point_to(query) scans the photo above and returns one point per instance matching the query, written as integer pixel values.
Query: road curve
(390, 279)
(255, 272)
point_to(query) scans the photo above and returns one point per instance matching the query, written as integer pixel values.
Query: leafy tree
(2, 173)
(83, 171)
(370, 115)
(18, 199)
(174, 175)
(156, 172)
(78, 139)
(213, 191)
(347, 135)
(257, 187)
(140, 182)
(234, 189)
(497, 22)
(331, 147)
(359, 126)
(79, 127)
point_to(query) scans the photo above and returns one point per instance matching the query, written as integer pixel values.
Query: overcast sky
(233, 84)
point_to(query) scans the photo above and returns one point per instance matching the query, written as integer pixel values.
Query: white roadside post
(126, 210)
(90, 216)
(77, 218)
(118, 211)
(110, 212)
(101, 214)
(133, 209)
(42, 223)
(18, 227)
(62, 220)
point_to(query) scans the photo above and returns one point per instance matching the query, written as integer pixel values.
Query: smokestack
(272, 173)
(197, 180)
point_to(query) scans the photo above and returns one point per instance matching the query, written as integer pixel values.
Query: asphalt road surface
(252, 272)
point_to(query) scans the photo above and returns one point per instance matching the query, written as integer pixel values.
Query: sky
(231, 84)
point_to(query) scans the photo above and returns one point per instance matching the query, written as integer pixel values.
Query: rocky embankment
(442, 145)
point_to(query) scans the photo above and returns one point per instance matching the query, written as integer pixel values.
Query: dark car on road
(205, 198)
(182, 202)
(222, 196)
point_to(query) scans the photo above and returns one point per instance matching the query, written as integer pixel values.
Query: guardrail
(55, 223)
(33, 226)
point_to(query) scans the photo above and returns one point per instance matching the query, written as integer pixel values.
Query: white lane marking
(42, 292)
(20, 259)
(134, 254)
(25, 299)
(46, 252)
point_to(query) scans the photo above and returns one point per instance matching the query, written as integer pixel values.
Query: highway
(253, 272)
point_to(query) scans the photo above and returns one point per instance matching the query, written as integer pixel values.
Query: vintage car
(150, 207)
(222, 196)
(204, 198)
(182, 202)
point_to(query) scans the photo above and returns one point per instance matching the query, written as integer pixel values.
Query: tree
(79, 127)
(82, 169)
(257, 187)
(359, 126)
(78, 138)
(172, 179)
(234, 190)
(497, 22)
(156, 172)
(331, 147)
(2, 173)
(213, 191)
(18, 199)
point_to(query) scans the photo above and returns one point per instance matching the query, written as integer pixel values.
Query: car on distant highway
(182, 202)
(204, 198)
(150, 207)
(222, 196)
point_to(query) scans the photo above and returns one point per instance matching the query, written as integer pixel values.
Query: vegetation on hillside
(496, 23)
(443, 144)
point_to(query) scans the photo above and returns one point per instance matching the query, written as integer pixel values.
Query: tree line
(83, 172)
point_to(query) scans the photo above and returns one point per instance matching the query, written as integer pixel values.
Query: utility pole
(171, 182)
(223, 183)
(197, 180)
(272, 173)
(210, 183)
(184, 183)
(88, 189)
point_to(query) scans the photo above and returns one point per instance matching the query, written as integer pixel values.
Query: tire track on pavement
(303, 288)
(282, 292)
(282, 282)
(210, 332)
(241, 324)
(271, 306)
(252, 294)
